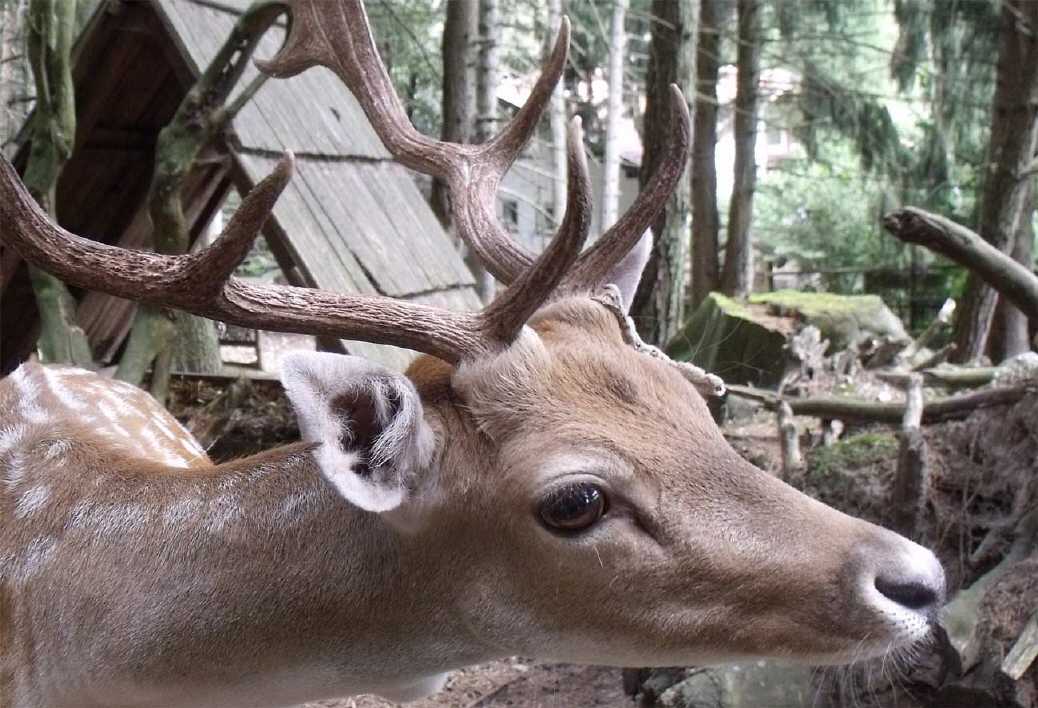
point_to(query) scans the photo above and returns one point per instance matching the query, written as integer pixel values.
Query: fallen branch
(1016, 282)
(1024, 651)
(857, 409)
(950, 376)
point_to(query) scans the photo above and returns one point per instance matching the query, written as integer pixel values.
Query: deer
(539, 482)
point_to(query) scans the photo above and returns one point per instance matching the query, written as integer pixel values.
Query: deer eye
(574, 507)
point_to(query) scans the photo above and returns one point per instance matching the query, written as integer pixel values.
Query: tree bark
(457, 103)
(51, 27)
(1014, 129)
(557, 120)
(705, 217)
(615, 103)
(1010, 334)
(659, 303)
(486, 109)
(201, 116)
(737, 280)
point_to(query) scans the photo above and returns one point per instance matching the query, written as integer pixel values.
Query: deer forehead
(574, 352)
(571, 381)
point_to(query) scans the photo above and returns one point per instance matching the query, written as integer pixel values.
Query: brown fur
(254, 582)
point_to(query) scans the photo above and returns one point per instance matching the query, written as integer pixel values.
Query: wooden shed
(352, 220)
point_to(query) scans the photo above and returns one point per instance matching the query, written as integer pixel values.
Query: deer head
(540, 482)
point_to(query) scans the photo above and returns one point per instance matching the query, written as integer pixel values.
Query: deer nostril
(913, 594)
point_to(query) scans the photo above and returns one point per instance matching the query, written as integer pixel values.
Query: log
(1011, 279)
(860, 410)
(950, 376)
(937, 358)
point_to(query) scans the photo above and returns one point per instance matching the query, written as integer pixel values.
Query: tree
(737, 278)
(705, 218)
(487, 71)
(557, 118)
(1011, 154)
(457, 99)
(202, 115)
(658, 306)
(51, 26)
(611, 162)
(1010, 333)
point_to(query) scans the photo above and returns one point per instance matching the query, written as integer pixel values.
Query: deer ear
(374, 440)
(628, 272)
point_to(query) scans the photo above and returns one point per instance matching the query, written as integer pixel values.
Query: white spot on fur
(32, 501)
(63, 393)
(11, 436)
(113, 418)
(223, 510)
(181, 511)
(36, 556)
(16, 469)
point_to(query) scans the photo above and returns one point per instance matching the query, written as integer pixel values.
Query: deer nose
(913, 594)
(914, 579)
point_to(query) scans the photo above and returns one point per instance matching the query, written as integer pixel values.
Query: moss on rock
(842, 319)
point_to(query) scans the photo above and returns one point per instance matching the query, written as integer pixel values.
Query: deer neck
(262, 565)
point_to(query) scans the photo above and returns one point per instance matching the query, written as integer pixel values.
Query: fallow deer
(539, 483)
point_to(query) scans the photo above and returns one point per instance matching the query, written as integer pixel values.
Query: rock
(746, 342)
(1017, 370)
(738, 342)
(842, 319)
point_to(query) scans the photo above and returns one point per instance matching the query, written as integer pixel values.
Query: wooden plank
(307, 229)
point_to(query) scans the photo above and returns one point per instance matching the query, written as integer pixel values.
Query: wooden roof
(352, 220)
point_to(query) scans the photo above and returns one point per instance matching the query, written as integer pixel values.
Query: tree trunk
(51, 29)
(705, 218)
(457, 90)
(557, 120)
(1010, 333)
(658, 306)
(201, 116)
(615, 103)
(738, 260)
(1014, 127)
(486, 110)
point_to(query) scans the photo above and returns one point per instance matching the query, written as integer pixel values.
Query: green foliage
(408, 36)
(826, 217)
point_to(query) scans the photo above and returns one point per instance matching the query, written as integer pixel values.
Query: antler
(339, 38)
(202, 283)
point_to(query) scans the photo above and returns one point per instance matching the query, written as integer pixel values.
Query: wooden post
(789, 439)
(913, 474)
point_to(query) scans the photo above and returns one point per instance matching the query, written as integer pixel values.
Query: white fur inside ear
(321, 387)
(628, 272)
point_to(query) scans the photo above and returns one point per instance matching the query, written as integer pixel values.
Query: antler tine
(338, 36)
(594, 265)
(202, 283)
(507, 314)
